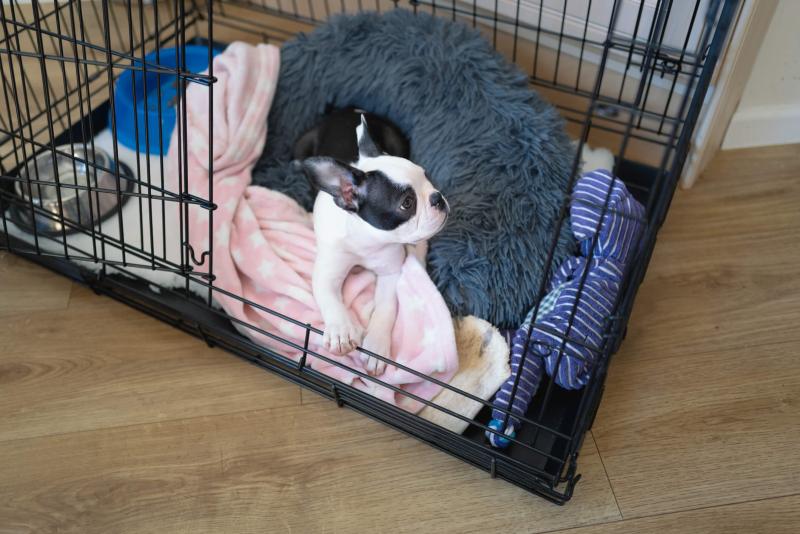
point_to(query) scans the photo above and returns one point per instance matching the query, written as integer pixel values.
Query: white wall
(769, 112)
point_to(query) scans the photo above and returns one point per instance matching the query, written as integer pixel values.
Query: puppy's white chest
(342, 237)
(330, 221)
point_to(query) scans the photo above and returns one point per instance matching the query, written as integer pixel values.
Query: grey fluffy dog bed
(496, 150)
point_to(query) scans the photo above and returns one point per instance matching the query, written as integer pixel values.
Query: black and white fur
(373, 208)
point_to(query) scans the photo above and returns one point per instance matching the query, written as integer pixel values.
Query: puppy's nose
(437, 201)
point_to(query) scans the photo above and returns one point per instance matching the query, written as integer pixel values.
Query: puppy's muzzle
(437, 201)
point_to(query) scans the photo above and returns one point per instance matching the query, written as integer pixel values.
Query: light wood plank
(93, 324)
(776, 516)
(724, 272)
(27, 287)
(102, 364)
(702, 404)
(715, 294)
(309, 397)
(300, 469)
(122, 387)
(748, 192)
(702, 429)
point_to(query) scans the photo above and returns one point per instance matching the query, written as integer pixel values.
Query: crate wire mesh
(631, 76)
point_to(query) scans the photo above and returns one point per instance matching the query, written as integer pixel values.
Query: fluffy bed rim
(497, 151)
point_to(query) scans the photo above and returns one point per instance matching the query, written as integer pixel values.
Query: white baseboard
(763, 126)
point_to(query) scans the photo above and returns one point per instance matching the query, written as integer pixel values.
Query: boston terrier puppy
(374, 207)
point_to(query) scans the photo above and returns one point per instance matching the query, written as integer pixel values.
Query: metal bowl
(87, 184)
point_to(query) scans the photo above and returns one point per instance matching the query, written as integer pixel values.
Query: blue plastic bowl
(129, 99)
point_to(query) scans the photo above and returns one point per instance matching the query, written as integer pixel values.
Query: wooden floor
(113, 422)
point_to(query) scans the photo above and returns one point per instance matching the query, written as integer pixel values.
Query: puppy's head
(391, 194)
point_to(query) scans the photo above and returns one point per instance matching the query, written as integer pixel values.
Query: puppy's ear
(343, 182)
(366, 146)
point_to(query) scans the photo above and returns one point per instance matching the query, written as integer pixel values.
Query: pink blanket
(263, 242)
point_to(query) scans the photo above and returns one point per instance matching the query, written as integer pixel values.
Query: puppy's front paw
(342, 337)
(381, 345)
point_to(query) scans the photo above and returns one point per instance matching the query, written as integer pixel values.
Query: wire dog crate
(628, 75)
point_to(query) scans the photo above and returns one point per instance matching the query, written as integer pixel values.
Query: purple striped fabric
(567, 337)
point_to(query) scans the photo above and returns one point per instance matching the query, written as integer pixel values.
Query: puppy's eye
(408, 203)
